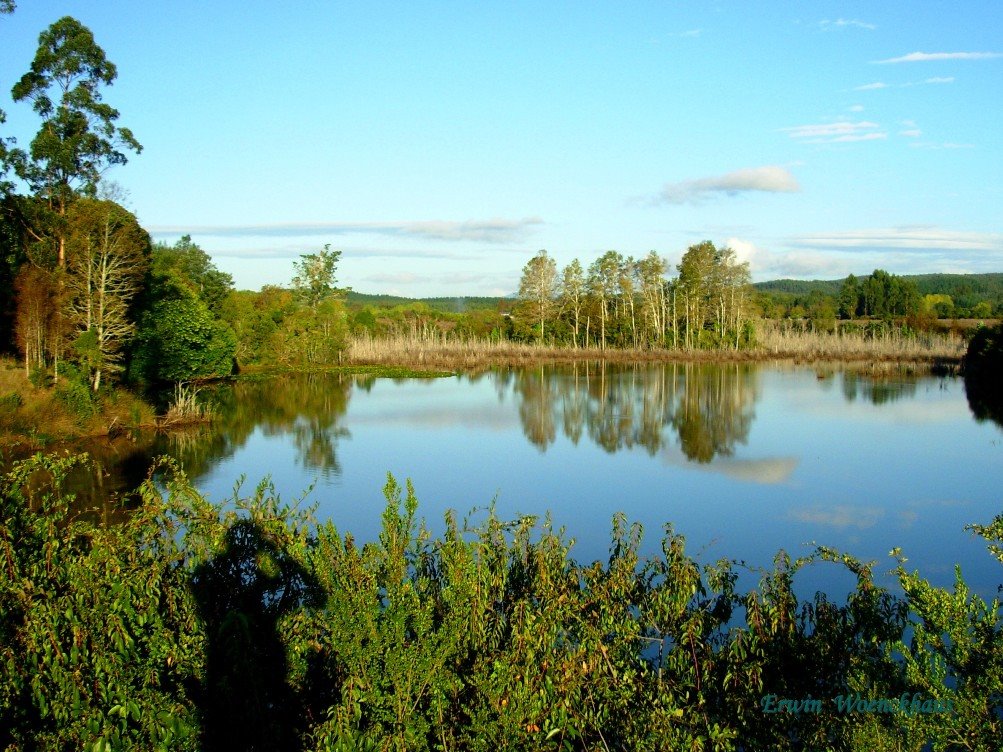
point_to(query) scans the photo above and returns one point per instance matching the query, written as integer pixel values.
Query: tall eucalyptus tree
(78, 139)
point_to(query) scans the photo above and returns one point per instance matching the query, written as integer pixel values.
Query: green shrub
(75, 393)
(248, 625)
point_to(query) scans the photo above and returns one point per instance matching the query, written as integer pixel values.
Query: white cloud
(911, 133)
(916, 238)
(745, 250)
(915, 57)
(940, 80)
(843, 23)
(872, 87)
(947, 145)
(487, 231)
(769, 179)
(836, 132)
(856, 108)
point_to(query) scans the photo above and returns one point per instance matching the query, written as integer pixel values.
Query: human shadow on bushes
(247, 701)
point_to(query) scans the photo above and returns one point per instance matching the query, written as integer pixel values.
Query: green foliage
(248, 625)
(185, 268)
(314, 280)
(985, 352)
(78, 139)
(983, 365)
(97, 632)
(74, 391)
(179, 340)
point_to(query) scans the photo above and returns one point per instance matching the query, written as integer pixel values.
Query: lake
(743, 459)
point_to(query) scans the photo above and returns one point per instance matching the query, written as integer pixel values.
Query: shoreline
(445, 359)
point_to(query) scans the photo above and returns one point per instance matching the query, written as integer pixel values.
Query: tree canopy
(78, 139)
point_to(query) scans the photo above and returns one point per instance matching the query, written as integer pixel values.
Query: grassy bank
(34, 415)
(435, 349)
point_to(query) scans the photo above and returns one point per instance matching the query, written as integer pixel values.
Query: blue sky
(440, 145)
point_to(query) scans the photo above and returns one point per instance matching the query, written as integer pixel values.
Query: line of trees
(625, 302)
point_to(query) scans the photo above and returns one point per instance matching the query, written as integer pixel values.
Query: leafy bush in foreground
(247, 625)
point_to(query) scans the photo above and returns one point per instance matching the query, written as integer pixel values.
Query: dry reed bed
(436, 349)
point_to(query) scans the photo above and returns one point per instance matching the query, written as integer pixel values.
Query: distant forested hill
(449, 305)
(800, 286)
(965, 290)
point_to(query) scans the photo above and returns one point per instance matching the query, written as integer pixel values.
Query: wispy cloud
(872, 87)
(838, 516)
(916, 238)
(486, 231)
(451, 278)
(769, 179)
(845, 23)
(918, 57)
(940, 80)
(856, 108)
(946, 145)
(910, 129)
(293, 250)
(840, 131)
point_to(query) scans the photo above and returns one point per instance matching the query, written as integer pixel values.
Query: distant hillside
(800, 286)
(965, 289)
(449, 305)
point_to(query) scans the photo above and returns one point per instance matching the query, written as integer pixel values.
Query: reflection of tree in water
(716, 408)
(877, 390)
(308, 407)
(985, 399)
(535, 387)
(621, 406)
(247, 702)
(104, 487)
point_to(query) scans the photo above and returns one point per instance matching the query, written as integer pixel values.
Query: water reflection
(878, 390)
(686, 414)
(308, 408)
(985, 399)
(709, 408)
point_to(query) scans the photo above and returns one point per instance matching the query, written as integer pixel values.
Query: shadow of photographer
(247, 701)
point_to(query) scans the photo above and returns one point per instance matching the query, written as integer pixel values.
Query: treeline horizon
(987, 285)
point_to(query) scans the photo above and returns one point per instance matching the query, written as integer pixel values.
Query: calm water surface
(743, 460)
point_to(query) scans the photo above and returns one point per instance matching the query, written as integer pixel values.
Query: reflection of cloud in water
(912, 412)
(487, 417)
(769, 471)
(841, 516)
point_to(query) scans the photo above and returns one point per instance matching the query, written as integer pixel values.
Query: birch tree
(603, 285)
(107, 258)
(538, 286)
(573, 294)
(650, 272)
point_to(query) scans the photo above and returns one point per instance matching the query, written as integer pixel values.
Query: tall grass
(185, 408)
(773, 339)
(432, 347)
